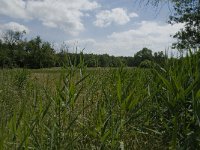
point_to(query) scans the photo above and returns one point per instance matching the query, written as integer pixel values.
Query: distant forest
(15, 51)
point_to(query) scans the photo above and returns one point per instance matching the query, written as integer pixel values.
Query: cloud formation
(14, 9)
(14, 26)
(117, 15)
(149, 34)
(63, 14)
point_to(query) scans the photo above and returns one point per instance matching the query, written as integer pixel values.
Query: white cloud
(14, 27)
(132, 15)
(116, 15)
(63, 14)
(149, 34)
(14, 9)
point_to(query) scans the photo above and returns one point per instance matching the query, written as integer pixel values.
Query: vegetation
(15, 51)
(154, 104)
(186, 12)
(94, 108)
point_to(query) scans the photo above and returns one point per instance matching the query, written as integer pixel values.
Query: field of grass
(102, 108)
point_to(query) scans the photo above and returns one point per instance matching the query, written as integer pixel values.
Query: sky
(114, 27)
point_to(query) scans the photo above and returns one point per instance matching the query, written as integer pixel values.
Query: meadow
(102, 108)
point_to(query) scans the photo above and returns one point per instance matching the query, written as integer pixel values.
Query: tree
(13, 37)
(188, 13)
(12, 51)
(39, 54)
(144, 54)
(159, 57)
(5, 60)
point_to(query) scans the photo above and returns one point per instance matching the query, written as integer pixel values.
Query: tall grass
(178, 98)
(112, 108)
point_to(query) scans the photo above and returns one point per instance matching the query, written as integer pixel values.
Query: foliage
(39, 54)
(144, 54)
(36, 53)
(146, 64)
(188, 13)
(16, 52)
(102, 108)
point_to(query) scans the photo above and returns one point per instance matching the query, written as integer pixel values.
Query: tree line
(37, 53)
(15, 51)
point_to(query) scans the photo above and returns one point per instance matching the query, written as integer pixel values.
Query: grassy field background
(102, 108)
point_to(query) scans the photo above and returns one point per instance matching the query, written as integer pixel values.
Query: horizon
(116, 28)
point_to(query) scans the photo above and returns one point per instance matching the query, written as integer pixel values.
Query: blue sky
(115, 27)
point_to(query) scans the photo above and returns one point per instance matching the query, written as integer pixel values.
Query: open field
(99, 75)
(101, 108)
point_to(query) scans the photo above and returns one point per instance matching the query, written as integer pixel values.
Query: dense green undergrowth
(102, 108)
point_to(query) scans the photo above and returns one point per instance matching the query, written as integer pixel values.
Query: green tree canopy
(144, 54)
(187, 12)
(40, 53)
